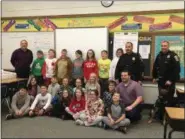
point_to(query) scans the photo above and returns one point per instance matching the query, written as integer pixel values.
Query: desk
(176, 119)
(14, 80)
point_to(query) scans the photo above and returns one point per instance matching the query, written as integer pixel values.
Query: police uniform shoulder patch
(176, 58)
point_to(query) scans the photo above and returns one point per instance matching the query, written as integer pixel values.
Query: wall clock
(107, 3)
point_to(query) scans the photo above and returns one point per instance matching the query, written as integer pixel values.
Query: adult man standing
(166, 71)
(21, 60)
(132, 62)
(131, 94)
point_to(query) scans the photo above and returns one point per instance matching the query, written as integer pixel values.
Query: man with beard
(21, 60)
(131, 94)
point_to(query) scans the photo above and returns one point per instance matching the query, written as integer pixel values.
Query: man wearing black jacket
(131, 62)
(166, 70)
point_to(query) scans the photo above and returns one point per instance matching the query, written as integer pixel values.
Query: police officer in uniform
(132, 62)
(166, 71)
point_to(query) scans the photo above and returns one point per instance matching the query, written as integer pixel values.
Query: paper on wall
(121, 38)
(144, 51)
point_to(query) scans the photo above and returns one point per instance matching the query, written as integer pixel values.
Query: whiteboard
(121, 38)
(36, 41)
(82, 39)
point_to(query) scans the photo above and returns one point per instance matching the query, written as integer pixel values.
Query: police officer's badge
(168, 56)
(133, 58)
(176, 58)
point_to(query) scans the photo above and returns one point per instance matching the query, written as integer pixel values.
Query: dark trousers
(171, 90)
(135, 113)
(104, 85)
(23, 72)
(39, 79)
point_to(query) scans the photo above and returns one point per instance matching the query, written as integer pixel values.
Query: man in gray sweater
(20, 104)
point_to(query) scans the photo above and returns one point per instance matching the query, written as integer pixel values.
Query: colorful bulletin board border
(176, 45)
(164, 22)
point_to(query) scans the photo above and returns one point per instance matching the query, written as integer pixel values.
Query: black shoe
(123, 129)
(9, 116)
(105, 127)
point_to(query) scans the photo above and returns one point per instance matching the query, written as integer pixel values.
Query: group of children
(81, 104)
(80, 90)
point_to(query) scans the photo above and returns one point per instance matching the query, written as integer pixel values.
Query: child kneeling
(20, 104)
(42, 103)
(116, 115)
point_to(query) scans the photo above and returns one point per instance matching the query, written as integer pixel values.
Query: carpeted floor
(47, 127)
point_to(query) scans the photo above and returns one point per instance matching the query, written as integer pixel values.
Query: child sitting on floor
(20, 104)
(42, 103)
(54, 87)
(77, 105)
(59, 103)
(116, 118)
(93, 112)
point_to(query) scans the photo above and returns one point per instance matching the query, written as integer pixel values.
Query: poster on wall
(121, 38)
(176, 45)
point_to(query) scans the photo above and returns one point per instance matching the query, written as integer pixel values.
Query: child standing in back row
(36, 69)
(104, 67)
(48, 67)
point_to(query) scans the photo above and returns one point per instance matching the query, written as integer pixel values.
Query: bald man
(21, 60)
(166, 70)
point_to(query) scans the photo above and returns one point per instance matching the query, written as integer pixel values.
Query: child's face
(92, 77)
(90, 54)
(116, 97)
(33, 81)
(39, 55)
(43, 90)
(78, 83)
(77, 55)
(111, 87)
(51, 54)
(119, 53)
(63, 54)
(22, 91)
(104, 55)
(65, 82)
(65, 94)
(53, 80)
(93, 96)
(78, 94)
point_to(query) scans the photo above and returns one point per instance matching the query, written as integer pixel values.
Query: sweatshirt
(20, 102)
(34, 90)
(48, 67)
(37, 67)
(77, 106)
(42, 101)
(77, 68)
(53, 89)
(63, 68)
(90, 67)
(22, 59)
(104, 66)
(113, 68)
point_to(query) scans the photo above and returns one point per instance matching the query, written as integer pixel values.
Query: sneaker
(100, 124)
(123, 129)
(9, 116)
(79, 122)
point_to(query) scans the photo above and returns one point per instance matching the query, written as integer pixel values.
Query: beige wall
(40, 8)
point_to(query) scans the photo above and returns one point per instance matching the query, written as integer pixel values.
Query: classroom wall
(41, 8)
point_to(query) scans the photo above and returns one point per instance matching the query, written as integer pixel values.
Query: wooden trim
(101, 14)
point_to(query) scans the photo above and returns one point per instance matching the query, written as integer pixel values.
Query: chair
(5, 96)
